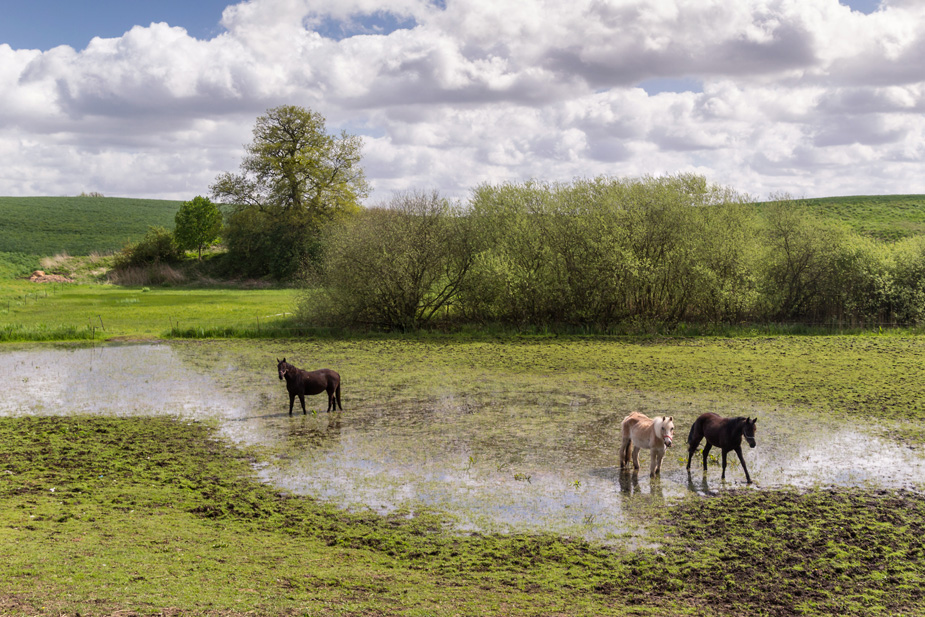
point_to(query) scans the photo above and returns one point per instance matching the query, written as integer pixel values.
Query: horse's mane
(742, 420)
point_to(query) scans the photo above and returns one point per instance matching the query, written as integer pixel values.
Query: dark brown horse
(724, 433)
(300, 383)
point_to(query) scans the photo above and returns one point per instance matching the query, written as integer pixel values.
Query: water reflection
(496, 458)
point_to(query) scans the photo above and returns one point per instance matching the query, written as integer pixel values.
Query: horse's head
(666, 430)
(282, 367)
(748, 431)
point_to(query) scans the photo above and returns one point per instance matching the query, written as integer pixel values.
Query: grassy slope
(885, 217)
(78, 225)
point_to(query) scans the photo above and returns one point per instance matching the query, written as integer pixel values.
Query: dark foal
(724, 433)
(300, 382)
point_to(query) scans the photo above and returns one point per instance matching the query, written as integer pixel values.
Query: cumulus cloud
(803, 96)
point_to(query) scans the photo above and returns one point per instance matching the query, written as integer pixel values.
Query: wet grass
(153, 516)
(874, 378)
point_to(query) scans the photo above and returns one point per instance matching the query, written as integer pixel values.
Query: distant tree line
(591, 253)
(606, 251)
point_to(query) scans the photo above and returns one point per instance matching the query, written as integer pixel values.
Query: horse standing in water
(300, 382)
(724, 433)
(640, 431)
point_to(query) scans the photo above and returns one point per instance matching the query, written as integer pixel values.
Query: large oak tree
(294, 179)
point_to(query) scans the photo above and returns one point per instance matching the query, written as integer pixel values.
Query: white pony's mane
(657, 426)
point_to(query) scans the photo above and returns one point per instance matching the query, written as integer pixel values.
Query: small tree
(198, 224)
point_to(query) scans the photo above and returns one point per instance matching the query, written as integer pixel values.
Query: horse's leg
(691, 448)
(291, 401)
(723, 476)
(693, 440)
(748, 479)
(635, 456)
(302, 400)
(625, 451)
(655, 464)
(331, 400)
(706, 453)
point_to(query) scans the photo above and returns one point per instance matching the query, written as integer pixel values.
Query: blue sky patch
(381, 23)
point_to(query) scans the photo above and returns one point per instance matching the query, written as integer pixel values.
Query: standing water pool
(499, 453)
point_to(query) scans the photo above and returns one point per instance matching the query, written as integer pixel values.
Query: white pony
(641, 431)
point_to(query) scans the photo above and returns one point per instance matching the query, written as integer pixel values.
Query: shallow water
(499, 457)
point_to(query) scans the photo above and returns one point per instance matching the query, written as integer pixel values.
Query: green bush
(903, 287)
(264, 244)
(157, 247)
(610, 254)
(601, 251)
(394, 267)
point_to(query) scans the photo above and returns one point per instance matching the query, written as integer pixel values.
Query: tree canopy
(198, 224)
(294, 179)
(294, 164)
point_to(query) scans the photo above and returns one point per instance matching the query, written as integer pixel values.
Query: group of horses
(639, 431)
(657, 434)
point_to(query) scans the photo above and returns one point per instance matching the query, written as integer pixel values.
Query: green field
(46, 226)
(30, 311)
(884, 217)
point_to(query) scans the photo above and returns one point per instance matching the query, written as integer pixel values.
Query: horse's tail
(337, 395)
(694, 436)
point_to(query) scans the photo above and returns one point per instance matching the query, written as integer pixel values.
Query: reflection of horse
(640, 431)
(315, 432)
(703, 488)
(300, 382)
(724, 433)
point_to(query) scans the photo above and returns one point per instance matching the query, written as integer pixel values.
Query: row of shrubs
(607, 251)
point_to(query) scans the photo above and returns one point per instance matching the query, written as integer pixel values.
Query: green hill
(78, 225)
(885, 217)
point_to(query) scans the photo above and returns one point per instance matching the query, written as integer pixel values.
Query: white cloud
(803, 96)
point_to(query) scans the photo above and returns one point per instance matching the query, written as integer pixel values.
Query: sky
(156, 98)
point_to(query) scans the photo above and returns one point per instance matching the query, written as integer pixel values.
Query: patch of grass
(15, 265)
(155, 515)
(847, 552)
(94, 311)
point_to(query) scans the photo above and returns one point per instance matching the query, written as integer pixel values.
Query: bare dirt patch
(40, 276)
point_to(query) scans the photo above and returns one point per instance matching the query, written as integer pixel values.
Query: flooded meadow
(498, 437)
